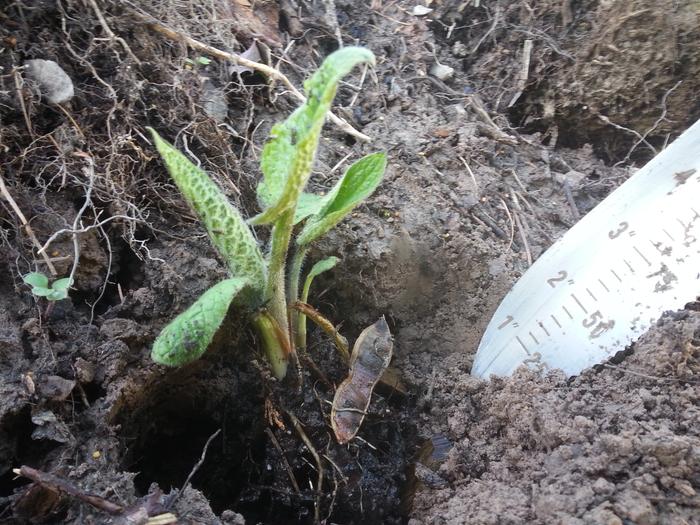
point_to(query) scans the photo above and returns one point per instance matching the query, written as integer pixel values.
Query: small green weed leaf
(61, 285)
(57, 295)
(40, 291)
(204, 61)
(226, 228)
(358, 183)
(36, 280)
(289, 153)
(187, 336)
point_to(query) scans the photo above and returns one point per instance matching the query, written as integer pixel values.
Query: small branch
(59, 485)
(290, 472)
(108, 31)
(317, 459)
(171, 501)
(30, 232)
(90, 170)
(340, 342)
(266, 70)
(85, 229)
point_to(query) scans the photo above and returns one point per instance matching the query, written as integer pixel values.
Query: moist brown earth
(549, 108)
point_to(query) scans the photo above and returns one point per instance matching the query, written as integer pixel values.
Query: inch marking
(628, 265)
(567, 312)
(555, 320)
(544, 329)
(534, 338)
(617, 276)
(579, 303)
(603, 285)
(591, 294)
(642, 255)
(523, 345)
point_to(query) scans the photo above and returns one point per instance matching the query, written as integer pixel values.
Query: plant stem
(274, 341)
(275, 293)
(298, 321)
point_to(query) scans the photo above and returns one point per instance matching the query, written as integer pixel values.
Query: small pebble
(53, 82)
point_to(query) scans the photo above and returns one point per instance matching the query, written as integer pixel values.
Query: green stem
(298, 320)
(275, 292)
(274, 341)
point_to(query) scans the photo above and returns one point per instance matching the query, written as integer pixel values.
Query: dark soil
(434, 250)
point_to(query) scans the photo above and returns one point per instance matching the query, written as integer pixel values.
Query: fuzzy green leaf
(289, 153)
(187, 336)
(358, 183)
(36, 279)
(308, 204)
(321, 266)
(226, 228)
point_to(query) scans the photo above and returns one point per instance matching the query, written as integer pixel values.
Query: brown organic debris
(370, 358)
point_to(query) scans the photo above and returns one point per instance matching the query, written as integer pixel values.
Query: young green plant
(261, 283)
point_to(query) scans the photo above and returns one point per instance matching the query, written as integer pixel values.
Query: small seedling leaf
(289, 153)
(36, 280)
(226, 228)
(321, 266)
(40, 291)
(188, 336)
(61, 285)
(358, 183)
(57, 295)
(370, 358)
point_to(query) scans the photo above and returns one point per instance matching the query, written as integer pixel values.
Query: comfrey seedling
(261, 283)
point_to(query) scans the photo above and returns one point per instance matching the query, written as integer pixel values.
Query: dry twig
(317, 459)
(30, 232)
(266, 70)
(60, 485)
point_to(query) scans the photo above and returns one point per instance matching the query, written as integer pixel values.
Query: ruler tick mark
(669, 235)
(579, 303)
(544, 328)
(603, 285)
(522, 344)
(534, 338)
(616, 276)
(567, 312)
(505, 323)
(555, 320)
(628, 265)
(591, 294)
(642, 255)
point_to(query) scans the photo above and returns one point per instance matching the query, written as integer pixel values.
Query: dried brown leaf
(370, 358)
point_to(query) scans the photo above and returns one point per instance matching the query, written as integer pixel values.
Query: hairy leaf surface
(358, 183)
(321, 266)
(187, 336)
(226, 228)
(289, 153)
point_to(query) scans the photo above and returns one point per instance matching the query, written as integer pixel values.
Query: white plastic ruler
(610, 277)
